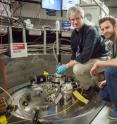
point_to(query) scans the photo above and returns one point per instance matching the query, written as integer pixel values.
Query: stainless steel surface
(10, 35)
(102, 117)
(85, 118)
(45, 42)
(72, 114)
(24, 35)
(57, 43)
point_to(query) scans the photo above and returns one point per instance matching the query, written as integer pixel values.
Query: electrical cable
(17, 122)
(57, 113)
(3, 69)
(5, 8)
(2, 11)
(16, 9)
(20, 21)
(60, 112)
(54, 52)
(41, 118)
(11, 99)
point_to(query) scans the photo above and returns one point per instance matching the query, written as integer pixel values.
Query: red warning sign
(18, 50)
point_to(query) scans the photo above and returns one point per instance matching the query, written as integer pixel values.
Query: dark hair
(111, 19)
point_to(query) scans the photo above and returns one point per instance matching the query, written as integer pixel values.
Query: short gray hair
(75, 9)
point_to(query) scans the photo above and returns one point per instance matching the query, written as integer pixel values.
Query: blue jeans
(109, 92)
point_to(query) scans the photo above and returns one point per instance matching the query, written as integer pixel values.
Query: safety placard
(18, 50)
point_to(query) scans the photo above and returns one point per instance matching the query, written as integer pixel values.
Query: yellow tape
(45, 73)
(3, 119)
(80, 97)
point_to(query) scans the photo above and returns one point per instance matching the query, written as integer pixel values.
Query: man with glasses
(87, 48)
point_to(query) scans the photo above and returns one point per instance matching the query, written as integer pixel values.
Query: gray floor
(102, 117)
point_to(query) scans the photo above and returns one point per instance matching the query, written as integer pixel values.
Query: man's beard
(113, 37)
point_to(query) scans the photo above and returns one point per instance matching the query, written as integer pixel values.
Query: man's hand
(101, 84)
(93, 70)
(61, 69)
(98, 64)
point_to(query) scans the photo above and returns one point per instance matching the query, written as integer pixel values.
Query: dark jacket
(86, 44)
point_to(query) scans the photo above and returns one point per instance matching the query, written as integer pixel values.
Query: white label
(58, 98)
(18, 50)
